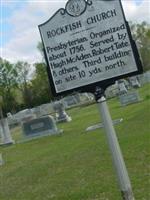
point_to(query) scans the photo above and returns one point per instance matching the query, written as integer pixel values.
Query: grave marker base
(38, 136)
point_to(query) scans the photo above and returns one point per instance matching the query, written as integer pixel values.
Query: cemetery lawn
(77, 165)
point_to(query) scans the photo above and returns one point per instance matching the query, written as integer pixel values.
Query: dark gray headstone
(40, 126)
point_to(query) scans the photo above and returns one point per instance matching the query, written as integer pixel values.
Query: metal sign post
(118, 161)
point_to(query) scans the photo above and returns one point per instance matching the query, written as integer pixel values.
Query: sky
(19, 20)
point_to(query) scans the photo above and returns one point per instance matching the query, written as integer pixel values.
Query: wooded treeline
(22, 89)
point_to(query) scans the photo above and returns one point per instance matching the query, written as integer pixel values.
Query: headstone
(87, 96)
(23, 115)
(37, 111)
(5, 132)
(70, 101)
(61, 115)
(134, 82)
(43, 110)
(77, 97)
(146, 77)
(121, 86)
(40, 127)
(129, 98)
(11, 120)
(112, 91)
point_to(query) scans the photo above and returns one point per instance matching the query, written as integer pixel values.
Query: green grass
(77, 165)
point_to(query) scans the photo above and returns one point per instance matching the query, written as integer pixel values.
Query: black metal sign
(88, 44)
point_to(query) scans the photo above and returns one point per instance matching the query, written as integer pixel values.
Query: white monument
(121, 86)
(4, 128)
(5, 132)
(134, 82)
(61, 115)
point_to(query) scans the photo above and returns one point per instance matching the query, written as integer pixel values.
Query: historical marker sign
(87, 44)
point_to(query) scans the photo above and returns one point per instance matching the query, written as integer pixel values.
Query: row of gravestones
(34, 128)
(37, 122)
(122, 86)
(119, 88)
(49, 108)
(36, 125)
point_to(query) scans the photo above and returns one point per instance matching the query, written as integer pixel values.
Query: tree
(141, 34)
(24, 72)
(40, 85)
(8, 84)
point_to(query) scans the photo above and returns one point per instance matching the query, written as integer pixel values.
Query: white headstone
(5, 132)
(61, 115)
(122, 88)
(134, 82)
